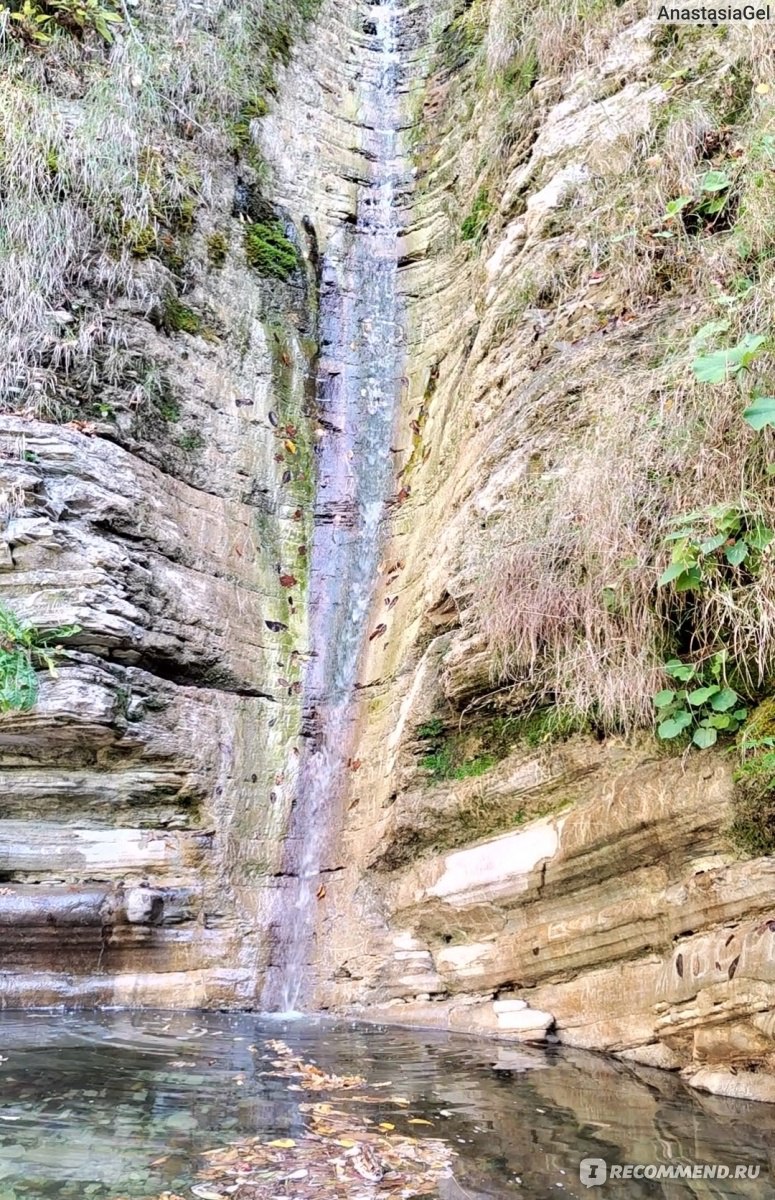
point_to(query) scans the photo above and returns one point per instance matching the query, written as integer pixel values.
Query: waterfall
(358, 386)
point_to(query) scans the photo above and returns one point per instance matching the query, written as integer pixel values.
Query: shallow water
(119, 1104)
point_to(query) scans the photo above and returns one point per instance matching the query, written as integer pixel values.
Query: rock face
(482, 876)
(591, 880)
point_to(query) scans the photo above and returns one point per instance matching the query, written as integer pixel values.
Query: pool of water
(98, 1106)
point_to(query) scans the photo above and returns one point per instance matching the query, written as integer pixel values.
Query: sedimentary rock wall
(152, 500)
(503, 869)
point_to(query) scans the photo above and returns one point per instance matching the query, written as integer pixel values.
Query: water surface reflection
(119, 1104)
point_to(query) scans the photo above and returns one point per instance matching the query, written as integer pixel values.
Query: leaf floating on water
(273, 418)
(290, 446)
(418, 1121)
(276, 626)
(288, 581)
(321, 892)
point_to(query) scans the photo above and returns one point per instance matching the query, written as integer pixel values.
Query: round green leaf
(704, 738)
(761, 413)
(737, 552)
(662, 699)
(724, 700)
(715, 181)
(702, 695)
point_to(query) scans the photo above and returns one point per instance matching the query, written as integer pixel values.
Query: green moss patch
(269, 251)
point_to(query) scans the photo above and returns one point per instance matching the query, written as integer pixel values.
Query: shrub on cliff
(23, 649)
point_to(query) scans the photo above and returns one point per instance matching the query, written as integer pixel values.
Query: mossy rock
(753, 822)
(270, 251)
(217, 249)
(760, 724)
(179, 318)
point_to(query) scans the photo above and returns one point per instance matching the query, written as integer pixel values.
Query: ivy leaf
(688, 580)
(702, 695)
(662, 699)
(761, 413)
(705, 737)
(724, 699)
(737, 553)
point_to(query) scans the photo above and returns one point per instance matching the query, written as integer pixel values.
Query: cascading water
(359, 383)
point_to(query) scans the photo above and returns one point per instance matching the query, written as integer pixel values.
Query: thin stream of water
(359, 384)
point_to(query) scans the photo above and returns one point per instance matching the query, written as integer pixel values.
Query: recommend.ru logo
(594, 1172)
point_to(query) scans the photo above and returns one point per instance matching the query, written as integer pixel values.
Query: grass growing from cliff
(665, 234)
(23, 649)
(107, 154)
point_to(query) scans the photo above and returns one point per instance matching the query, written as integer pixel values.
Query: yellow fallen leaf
(386, 1125)
(348, 1143)
(762, 89)
(419, 1121)
(290, 446)
(282, 1143)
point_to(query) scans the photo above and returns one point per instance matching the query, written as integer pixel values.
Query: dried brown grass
(566, 586)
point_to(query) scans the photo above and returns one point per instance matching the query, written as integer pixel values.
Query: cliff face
(155, 475)
(514, 851)
(509, 860)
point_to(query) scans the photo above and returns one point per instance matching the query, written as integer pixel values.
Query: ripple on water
(120, 1104)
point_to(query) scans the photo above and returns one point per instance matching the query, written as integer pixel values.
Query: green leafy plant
(24, 648)
(760, 413)
(430, 730)
(703, 708)
(38, 20)
(709, 542)
(721, 365)
(704, 206)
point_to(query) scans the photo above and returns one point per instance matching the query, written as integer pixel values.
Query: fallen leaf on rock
(321, 892)
(378, 632)
(288, 581)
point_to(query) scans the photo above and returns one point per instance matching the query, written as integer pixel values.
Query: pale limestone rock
(743, 1085)
(499, 867)
(528, 1024)
(508, 1006)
